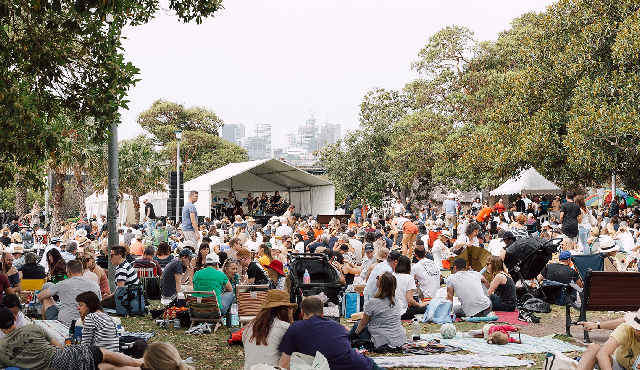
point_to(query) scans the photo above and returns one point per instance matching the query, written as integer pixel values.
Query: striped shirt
(519, 232)
(125, 272)
(100, 330)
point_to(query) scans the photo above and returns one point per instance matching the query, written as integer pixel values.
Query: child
(495, 334)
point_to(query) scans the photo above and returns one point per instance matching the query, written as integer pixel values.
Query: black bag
(362, 343)
(536, 305)
(151, 287)
(185, 319)
(133, 346)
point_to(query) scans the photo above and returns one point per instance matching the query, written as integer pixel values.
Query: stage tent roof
(310, 194)
(528, 181)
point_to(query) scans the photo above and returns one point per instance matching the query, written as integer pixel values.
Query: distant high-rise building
(259, 145)
(291, 141)
(278, 153)
(233, 133)
(329, 134)
(312, 137)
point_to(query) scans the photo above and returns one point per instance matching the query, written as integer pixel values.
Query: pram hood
(526, 257)
(320, 270)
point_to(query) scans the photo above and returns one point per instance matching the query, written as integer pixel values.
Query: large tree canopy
(201, 149)
(60, 56)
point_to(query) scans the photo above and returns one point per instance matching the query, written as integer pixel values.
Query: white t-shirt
(215, 240)
(427, 272)
(405, 283)
(357, 247)
(496, 246)
(299, 247)
(398, 207)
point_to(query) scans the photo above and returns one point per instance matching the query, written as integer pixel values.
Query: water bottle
(235, 320)
(228, 319)
(306, 278)
(415, 329)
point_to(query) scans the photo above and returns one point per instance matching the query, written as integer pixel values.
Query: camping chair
(145, 269)
(203, 309)
(582, 263)
(250, 299)
(433, 235)
(32, 284)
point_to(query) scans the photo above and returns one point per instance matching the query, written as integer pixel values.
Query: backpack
(130, 300)
(438, 312)
(133, 346)
(151, 287)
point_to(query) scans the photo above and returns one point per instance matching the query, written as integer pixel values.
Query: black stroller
(525, 258)
(323, 278)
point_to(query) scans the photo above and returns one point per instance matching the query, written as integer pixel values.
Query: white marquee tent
(529, 182)
(159, 201)
(96, 204)
(310, 194)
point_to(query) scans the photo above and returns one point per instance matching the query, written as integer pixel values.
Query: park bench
(605, 291)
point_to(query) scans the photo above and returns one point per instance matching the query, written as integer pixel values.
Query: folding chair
(32, 284)
(203, 309)
(250, 299)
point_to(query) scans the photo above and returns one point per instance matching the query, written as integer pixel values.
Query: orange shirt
(484, 214)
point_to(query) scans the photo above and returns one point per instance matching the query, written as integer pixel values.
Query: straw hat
(17, 248)
(382, 254)
(277, 298)
(16, 237)
(355, 317)
(633, 319)
(607, 246)
(249, 219)
(82, 241)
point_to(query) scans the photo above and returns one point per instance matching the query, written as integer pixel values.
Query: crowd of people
(398, 258)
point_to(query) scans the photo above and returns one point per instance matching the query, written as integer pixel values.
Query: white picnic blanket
(446, 360)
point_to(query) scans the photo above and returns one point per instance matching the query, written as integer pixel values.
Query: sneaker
(525, 316)
(206, 328)
(534, 319)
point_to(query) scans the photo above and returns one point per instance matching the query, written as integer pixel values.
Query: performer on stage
(276, 198)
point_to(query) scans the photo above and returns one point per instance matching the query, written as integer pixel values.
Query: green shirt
(160, 235)
(210, 280)
(28, 347)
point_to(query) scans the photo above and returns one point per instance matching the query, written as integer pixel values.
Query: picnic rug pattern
(456, 361)
(529, 344)
(57, 329)
(510, 317)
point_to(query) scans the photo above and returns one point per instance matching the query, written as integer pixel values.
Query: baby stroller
(323, 278)
(525, 258)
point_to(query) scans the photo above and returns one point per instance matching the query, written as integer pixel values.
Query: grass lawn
(211, 351)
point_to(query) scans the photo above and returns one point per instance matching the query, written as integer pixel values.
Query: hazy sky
(276, 61)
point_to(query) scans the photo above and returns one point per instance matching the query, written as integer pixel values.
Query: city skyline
(271, 63)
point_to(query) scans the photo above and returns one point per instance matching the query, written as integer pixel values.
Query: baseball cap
(188, 243)
(394, 255)
(212, 258)
(368, 247)
(186, 252)
(6, 318)
(564, 255)
(508, 235)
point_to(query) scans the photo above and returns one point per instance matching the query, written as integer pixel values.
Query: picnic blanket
(55, 328)
(458, 361)
(510, 317)
(529, 345)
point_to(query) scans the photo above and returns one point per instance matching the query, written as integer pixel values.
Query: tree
(60, 57)
(201, 149)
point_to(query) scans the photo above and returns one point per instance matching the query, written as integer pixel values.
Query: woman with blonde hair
(569, 245)
(500, 282)
(163, 356)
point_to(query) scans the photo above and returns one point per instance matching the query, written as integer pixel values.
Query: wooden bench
(605, 291)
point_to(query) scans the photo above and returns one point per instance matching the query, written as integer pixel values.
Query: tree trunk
(22, 208)
(81, 192)
(136, 205)
(58, 198)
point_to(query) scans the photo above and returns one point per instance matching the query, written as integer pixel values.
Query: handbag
(556, 360)
(592, 220)
(438, 311)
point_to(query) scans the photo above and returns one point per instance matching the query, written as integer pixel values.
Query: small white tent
(529, 182)
(96, 204)
(159, 201)
(310, 194)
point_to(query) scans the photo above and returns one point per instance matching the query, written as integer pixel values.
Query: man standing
(570, 217)
(398, 208)
(289, 213)
(283, 229)
(190, 219)
(450, 210)
(521, 207)
(316, 334)
(427, 272)
(67, 291)
(209, 279)
(149, 216)
(468, 285)
(176, 274)
(555, 206)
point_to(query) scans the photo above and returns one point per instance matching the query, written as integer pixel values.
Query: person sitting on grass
(620, 351)
(43, 351)
(467, 284)
(500, 283)
(380, 322)
(163, 356)
(262, 336)
(315, 333)
(98, 328)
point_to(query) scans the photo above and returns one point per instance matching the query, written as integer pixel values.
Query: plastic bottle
(415, 329)
(306, 278)
(235, 320)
